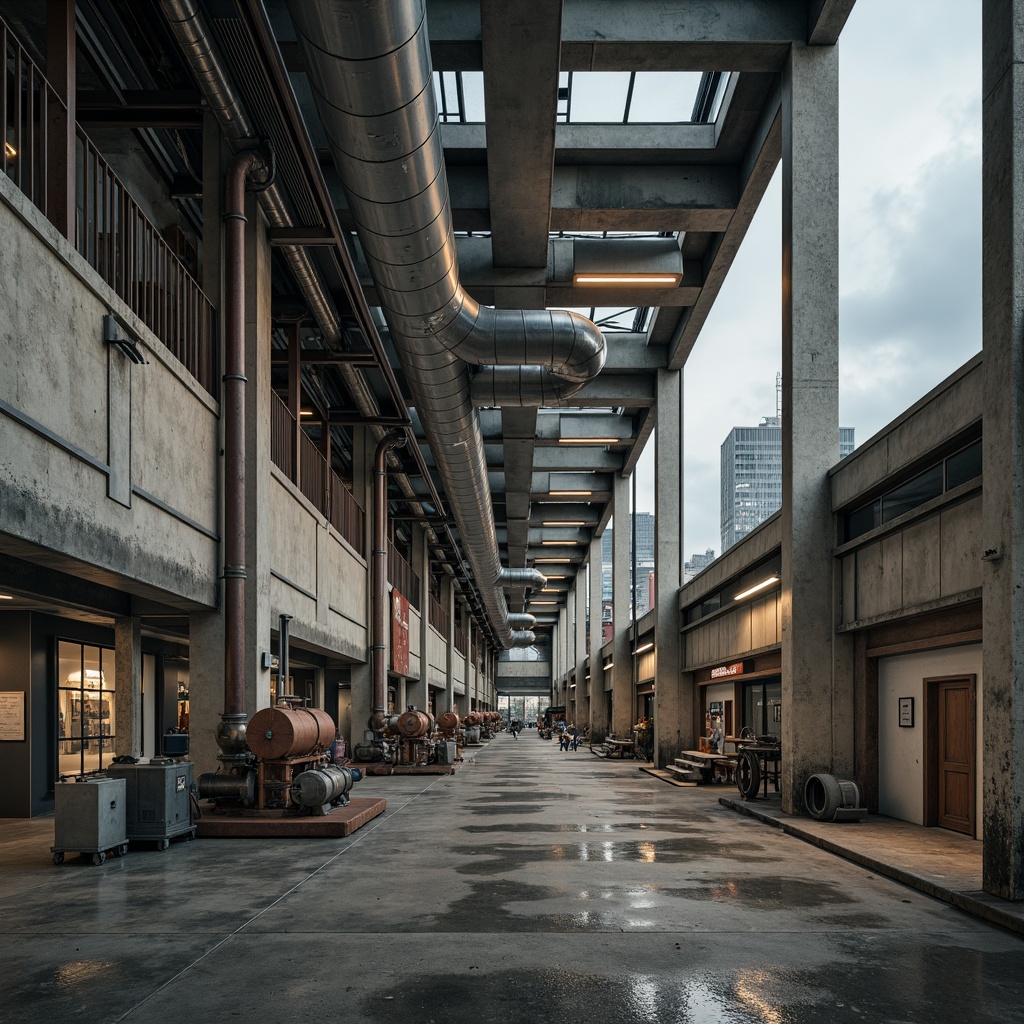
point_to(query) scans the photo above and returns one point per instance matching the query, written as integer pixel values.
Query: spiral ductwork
(369, 66)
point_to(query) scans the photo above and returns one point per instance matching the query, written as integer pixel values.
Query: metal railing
(438, 616)
(315, 479)
(402, 577)
(111, 231)
(26, 107)
(460, 640)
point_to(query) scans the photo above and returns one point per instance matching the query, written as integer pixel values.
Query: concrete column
(416, 690)
(1002, 758)
(673, 720)
(622, 676)
(363, 445)
(128, 691)
(810, 406)
(597, 698)
(582, 698)
(205, 687)
(448, 600)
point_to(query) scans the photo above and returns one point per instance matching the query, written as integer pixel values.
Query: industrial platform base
(407, 769)
(338, 823)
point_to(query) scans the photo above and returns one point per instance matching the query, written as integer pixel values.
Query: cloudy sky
(910, 247)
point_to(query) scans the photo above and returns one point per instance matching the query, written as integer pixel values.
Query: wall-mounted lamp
(127, 346)
(757, 586)
(645, 647)
(9, 151)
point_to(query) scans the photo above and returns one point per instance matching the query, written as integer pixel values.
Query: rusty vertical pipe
(231, 734)
(379, 577)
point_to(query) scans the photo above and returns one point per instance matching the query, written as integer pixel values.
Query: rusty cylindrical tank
(414, 724)
(474, 718)
(448, 722)
(279, 732)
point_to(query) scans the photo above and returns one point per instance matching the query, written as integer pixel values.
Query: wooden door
(952, 765)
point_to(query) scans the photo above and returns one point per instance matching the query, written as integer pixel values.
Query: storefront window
(85, 707)
(762, 708)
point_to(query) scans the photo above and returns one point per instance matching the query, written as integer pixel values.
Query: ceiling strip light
(590, 440)
(757, 586)
(563, 522)
(644, 280)
(571, 494)
(649, 646)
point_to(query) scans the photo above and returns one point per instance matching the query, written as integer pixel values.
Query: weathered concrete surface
(532, 885)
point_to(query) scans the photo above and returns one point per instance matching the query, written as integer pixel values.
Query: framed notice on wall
(906, 712)
(12, 716)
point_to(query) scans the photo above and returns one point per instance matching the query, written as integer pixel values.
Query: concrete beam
(521, 53)
(638, 140)
(826, 19)
(744, 35)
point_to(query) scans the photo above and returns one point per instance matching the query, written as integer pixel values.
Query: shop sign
(399, 633)
(723, 671)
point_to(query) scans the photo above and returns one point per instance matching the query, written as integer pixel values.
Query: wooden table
(622, 746)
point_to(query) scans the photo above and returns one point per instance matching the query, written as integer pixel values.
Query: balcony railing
(460, 640)
(111, 231)
(438, 616)
(402, 577)
(314, 478)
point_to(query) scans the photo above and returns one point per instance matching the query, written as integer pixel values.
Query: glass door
(86, 713)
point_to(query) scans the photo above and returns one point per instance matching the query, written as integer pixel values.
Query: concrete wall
(929, 557)
(748, 628)
(79, 422)
(901, 752)
(316, 576)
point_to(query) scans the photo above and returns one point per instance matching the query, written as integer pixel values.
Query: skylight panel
(663, 97)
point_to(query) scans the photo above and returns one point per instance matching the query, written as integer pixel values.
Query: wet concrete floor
(532, 885)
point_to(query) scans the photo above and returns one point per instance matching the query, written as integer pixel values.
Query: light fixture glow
(611, 664)
(570, 494)
(6, 597)
(305, 412)
(563, 561)
(590, 440)
(563, 522)
(10, 151)
(643, 280)
(757, 586)
(649, 646)
(559, 543)
(534, 601)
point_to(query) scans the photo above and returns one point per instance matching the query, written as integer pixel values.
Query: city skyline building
(751, 476)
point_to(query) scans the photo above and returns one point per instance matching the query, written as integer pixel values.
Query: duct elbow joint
(522, 578)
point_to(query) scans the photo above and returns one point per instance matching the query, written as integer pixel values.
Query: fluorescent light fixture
(562, 561)
(563, 522)
(535, 601)
(6, 597)
(10, 151)
(552, 576)
(571, 494)
(559, 543)
(645, 647)
(642, 280)
(591, 440)
(756, 587)
(305, 412)
(611, 664)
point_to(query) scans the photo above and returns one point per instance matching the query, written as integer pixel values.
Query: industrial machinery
(158, 798)
(288, 768)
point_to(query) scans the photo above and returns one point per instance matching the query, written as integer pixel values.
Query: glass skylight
(630, 319)
(628, 97)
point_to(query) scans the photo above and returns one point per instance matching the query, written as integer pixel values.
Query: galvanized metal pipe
(369, 66)
(231, 733)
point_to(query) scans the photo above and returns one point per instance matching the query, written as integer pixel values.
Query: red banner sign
(399, 633)
(721, 671)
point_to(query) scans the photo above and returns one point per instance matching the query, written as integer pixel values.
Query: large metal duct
(369, 66)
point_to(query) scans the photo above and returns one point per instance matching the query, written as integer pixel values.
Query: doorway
(951, 753)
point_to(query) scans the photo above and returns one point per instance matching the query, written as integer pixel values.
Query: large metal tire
(748, 775)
